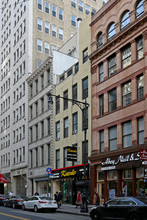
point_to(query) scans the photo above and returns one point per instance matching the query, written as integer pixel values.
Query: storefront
(121, 172)
(70, 180)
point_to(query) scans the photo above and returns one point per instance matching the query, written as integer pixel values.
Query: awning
(2, 179)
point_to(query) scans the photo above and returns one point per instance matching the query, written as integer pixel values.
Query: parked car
(124, 208)
(40, 202)
(13, 201)
(2, 199)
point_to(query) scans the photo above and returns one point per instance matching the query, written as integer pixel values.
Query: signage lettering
(65, 173)
(121, 159)
(143, 154)
(72, 151)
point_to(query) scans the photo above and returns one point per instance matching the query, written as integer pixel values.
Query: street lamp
(84, 107)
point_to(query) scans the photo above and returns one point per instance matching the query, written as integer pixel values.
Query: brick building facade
(119, 98)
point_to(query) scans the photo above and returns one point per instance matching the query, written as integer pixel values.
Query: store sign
(66, 173)
(121, 159)
(71, 153)
(143, 154)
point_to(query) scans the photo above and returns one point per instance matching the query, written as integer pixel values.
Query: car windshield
(138, 201)
(45, 198)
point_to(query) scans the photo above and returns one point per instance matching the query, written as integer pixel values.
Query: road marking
(13, 216)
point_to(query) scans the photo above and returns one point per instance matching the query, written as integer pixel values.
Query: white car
(40, 202)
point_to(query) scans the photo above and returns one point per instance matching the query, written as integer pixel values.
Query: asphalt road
(19, 214)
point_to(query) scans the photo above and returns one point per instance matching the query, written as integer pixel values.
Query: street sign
(48, 170)
(71, 153)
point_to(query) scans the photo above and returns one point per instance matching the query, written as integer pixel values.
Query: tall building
(119, 90)
(30, 31)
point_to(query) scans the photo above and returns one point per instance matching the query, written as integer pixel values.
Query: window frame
(110, 31)
(128, 135)
(112, 105)
(112, 139)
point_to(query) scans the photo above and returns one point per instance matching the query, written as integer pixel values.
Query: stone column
(105, 103)
(105, 69)
(118, 60)
(134, 182)
(133, 51)
(119, 182)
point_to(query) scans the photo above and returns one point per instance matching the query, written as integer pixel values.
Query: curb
(74, 213)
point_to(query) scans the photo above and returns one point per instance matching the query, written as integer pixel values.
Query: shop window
(140, 87)
(126, 94)
(125, 19)
(127, 134)
(111, 30)
(113, 138)
(140, 127)
(112, 100)
(139, 47)
(128, 174)
(140, 8)
(126, 56)
(112, 65)
(101, 72)
(112, 175)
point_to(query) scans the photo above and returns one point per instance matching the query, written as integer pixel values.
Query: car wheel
(13, 205)
(35, 208)
(134, 217)
(5, 204)
(95, 216)
(23, 207)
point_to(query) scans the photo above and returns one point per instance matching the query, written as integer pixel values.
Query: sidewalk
(71, 209)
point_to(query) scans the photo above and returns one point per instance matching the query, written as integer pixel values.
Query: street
(9, 214)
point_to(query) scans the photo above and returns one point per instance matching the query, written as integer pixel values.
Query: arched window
(99, 40)
(111, 30)
(139, 8)
(125, 19)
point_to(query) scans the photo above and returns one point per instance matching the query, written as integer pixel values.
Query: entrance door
(101, 191)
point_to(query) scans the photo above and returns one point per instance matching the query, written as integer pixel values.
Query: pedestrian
(36, 194)
(97, 199)
(94, 199)
(56, 198)
(11, 193)
(60, 196)
(79, 199)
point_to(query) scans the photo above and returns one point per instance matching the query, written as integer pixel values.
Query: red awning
(2, 179)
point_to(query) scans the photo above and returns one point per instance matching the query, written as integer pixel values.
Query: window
(57, 159)
(76, 67)
(75, 123)
(49, 153)
(42, 129)
(39, 45)
(42, 105)
(111, 30)
(127, 134)
(100, 40)
(112, 65)
(80, 6)
(101, 136)
(112, 100)
(85, 88)
(36, 105)
(46, 48)
(57, 105)
(60, 34)
(57, 130)
(36, 82)
(139, 8)
(65, 95)
(85, 152)
(140, 87)
(36, 132)
(54, 30)
(139, 47)
(85, 55)
(93, 11)
(42, 155)
(65, 158)
(39, 24)
(87, 9)
(48, 126)
(126, 94)
(39, 62)
(140, 126)
(47, 7)
(125, 19)
(60, 14)
(74, 93)
(73, 3)
(36, 157)
(73, 20)
(101, 72)
(54, 9)
(40, 4)
(85, 119)
(126, 56)
(47, 27)
(42, 81)
(66, 127)
(113, 138)
(101, 105)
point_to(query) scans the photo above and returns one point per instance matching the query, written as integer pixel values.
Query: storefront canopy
(2, 179)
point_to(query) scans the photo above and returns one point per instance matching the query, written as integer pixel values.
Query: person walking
(97, 199)
(56, 198)
(60, 196)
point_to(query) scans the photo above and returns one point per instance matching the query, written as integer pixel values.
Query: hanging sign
(71, 153)
(143, 154)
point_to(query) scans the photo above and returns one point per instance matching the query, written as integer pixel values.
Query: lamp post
(84, 107)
